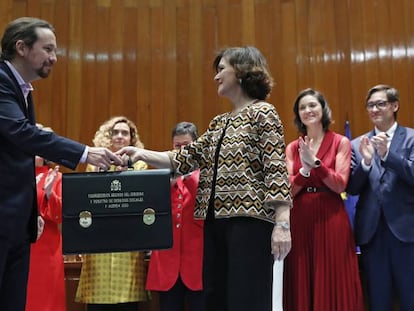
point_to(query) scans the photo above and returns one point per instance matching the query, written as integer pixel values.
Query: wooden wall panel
(143, 67)
(286, 74)
(150, 60)
(156, 76)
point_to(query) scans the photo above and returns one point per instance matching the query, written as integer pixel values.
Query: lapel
(376, 171)
(398, 139)
(325, 144)
(397, 142)
(30, 109)
(18, 90)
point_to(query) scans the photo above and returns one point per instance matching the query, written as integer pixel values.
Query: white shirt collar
(390, 131)
(25, 87)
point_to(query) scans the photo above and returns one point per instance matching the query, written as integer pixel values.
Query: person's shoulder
(358, 138)
(3, 65)
(218, 119)
(405, 128)
(337, 135)
(220, 116)
(406, 132)
(340, 139)
(263, 105)
(5, 72)
(293, 143)
(334, 134)
(263, 110)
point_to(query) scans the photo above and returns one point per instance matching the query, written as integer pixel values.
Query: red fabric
(321, 270)
(46, 285)
(185, 258)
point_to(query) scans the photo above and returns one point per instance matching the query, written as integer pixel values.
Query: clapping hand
(380, 143)
(50, 180)
(39, 177)
(40, 226)
(306, 152)
(366, 149)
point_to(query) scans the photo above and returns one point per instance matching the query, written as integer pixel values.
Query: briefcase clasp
(85, 219)
(148, 217)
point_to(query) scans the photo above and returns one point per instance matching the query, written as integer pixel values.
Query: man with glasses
(382, 173)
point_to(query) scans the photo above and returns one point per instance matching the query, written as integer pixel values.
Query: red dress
(321, 270)
(185, 258)
(46, 285)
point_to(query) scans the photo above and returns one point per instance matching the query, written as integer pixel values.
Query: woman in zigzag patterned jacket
(244, 192)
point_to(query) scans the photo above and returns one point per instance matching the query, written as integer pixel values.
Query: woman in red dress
(46, 285)
(321, 270)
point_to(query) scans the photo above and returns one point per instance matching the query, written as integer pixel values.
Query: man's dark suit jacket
(20, 140)
(389, 185)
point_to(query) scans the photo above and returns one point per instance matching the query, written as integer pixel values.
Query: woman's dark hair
(251, 69)
(23, 28)
(326, 111)
(184, 128)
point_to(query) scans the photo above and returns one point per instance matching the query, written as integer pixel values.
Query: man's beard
(42, 73)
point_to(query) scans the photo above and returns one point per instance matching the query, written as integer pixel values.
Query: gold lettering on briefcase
(148, 216)
(85, 219)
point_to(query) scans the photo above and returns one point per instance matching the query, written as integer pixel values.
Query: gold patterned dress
(112, 278)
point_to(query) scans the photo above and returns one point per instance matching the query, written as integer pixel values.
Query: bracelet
(283, 224)
(303, 173)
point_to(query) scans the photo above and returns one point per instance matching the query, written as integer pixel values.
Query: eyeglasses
(379, 104)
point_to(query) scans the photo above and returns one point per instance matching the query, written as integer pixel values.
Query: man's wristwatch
(317, 163)
(283, 224)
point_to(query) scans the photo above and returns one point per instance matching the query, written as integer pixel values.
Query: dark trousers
(238, 263)
(14, 271)
(178, 296)
(128, 306)
(388, 265)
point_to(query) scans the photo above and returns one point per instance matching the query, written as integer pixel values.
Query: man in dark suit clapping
(382, 173)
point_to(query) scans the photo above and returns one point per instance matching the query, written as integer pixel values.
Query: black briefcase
(116, 211)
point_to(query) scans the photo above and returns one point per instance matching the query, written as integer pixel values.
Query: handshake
(103, 158)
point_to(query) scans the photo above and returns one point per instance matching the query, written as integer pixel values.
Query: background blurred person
(114, 281)
(244, 193)
(176, 273)
(321, 271)
(46, 284)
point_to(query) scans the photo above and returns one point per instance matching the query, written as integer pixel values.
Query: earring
(240, 81)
